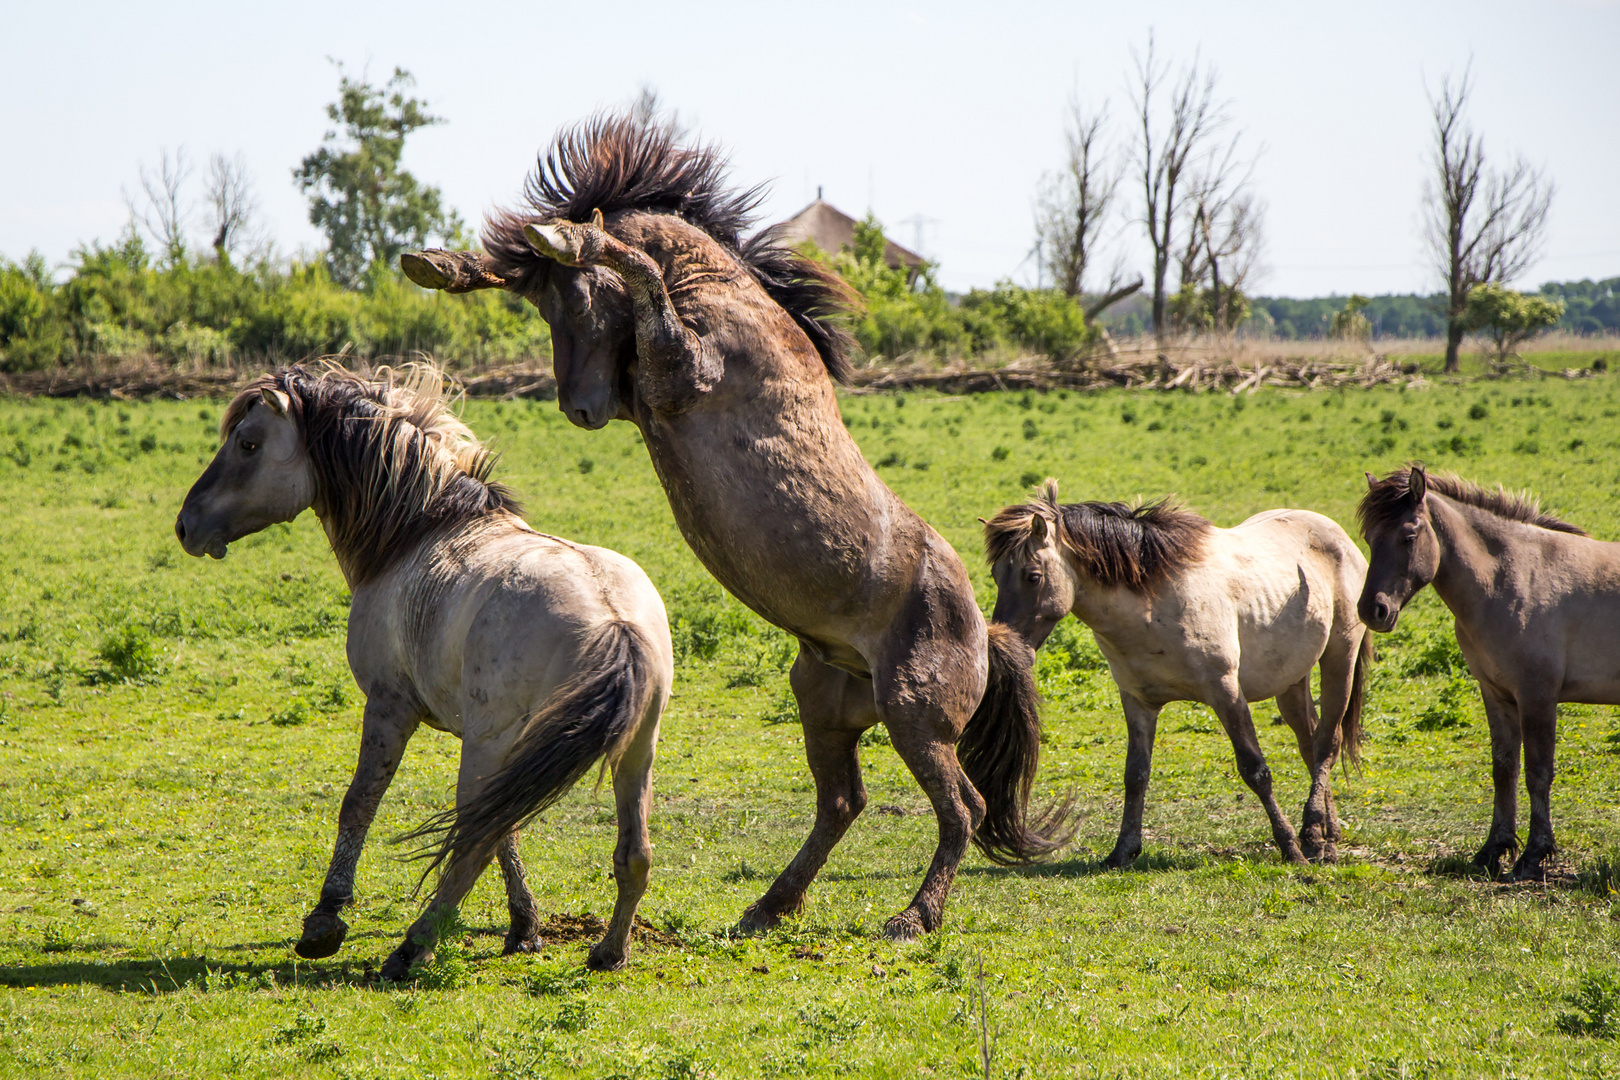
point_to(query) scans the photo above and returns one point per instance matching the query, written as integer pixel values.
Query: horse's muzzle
(1378, 613)
(195, 544)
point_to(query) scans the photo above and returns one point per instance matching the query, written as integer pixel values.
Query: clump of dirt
(564, 927)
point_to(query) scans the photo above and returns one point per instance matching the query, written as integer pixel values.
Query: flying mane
(1387, 500)
(616, 162)
(1135, 547)
(392, 464)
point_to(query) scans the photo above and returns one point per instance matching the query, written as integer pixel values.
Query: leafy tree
(1349, 324)
(371, 209)
(1508, 318)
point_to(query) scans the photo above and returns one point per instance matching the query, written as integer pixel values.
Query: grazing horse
(1184, 611)
(540, 654)
(1537, 609)
(724, 353)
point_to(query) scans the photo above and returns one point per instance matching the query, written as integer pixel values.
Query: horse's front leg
(1141, 726)
(451, 271)
(674, 367)
(1234, 713)
(523, 931)
(1507, 736)
(1539, 717)
(390, 720)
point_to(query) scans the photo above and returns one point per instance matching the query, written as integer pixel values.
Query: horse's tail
(592, 714)
(1350, 726)
(999, 750)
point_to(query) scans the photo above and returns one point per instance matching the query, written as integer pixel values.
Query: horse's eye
(1033, 577)
(249, 447)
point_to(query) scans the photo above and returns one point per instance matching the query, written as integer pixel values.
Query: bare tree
(1075, 203)
(1224, 233)
(1168, 153)
(230, 205)
(162, 212)
(1482, 225)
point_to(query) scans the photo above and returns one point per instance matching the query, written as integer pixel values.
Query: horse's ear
(1372, 481)
(982, 521)
(596, 218)
(1417, 484)
(276, 400)
(1037, 529)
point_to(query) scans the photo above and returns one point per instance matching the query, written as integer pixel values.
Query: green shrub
(1596, 1007)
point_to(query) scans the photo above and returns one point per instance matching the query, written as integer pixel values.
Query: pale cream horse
(540, 654)
(1185, 611)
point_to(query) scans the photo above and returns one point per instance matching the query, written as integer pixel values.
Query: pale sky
(947, 114)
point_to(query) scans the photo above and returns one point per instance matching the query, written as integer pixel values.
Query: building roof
(832, 230)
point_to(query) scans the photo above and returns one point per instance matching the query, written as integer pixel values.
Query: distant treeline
(1590, 307)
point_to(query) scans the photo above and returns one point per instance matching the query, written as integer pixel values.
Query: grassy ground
(175, 736)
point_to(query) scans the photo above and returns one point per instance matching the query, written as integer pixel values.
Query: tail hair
(592, 715)
(1000, 749)
(1350, 727)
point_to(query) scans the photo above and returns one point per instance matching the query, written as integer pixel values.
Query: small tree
(231, 205)
(1507, 318)
(1349, 324)
(160, 210)
(1482, 225)
(371, 209)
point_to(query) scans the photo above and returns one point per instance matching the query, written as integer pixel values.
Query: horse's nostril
(1380, 610)
(180, 529)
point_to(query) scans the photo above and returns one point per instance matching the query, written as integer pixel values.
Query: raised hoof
(516, 944)
(555, 243)
(906, 926)
(421, 270)
(323, 935)
(602, 958)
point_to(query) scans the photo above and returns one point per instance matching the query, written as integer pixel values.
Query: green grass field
(175, 737)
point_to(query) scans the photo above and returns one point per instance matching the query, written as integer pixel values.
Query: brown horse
(724, 353)
(1537, 609)
(541, 655)
(1184, 611)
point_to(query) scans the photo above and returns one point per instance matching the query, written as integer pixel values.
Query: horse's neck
(1105, 609)
(1468, 536)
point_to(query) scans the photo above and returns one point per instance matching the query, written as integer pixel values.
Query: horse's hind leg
(523, 932)
(834, 708)
(1506, 737)
(1141, 724)
(1251, 764)
(388, 725)
(1540, 722)
(632, 855)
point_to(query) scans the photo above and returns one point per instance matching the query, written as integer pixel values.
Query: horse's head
(1033, 588)
(593, 341)
(260, 476)
(1405, 550)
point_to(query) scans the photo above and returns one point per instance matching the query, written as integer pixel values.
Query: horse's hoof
(602, 958)
(1312, 847)
(397, 968)
(1530, 866)
(906, 926)
(1120, 858)
(421, 269)
(1292, 854)
(323, 935)
(515, 944)
(756, 920)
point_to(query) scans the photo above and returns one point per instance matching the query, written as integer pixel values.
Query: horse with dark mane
(724, 352)
(1537, 608)
(1184, 611)
(540, 654)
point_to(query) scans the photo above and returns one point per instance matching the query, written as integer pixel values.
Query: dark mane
(1389, 499)
(392, 465)
(1136, 547)
(616, 162)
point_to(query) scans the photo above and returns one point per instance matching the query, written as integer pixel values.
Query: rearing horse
(723, 353)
